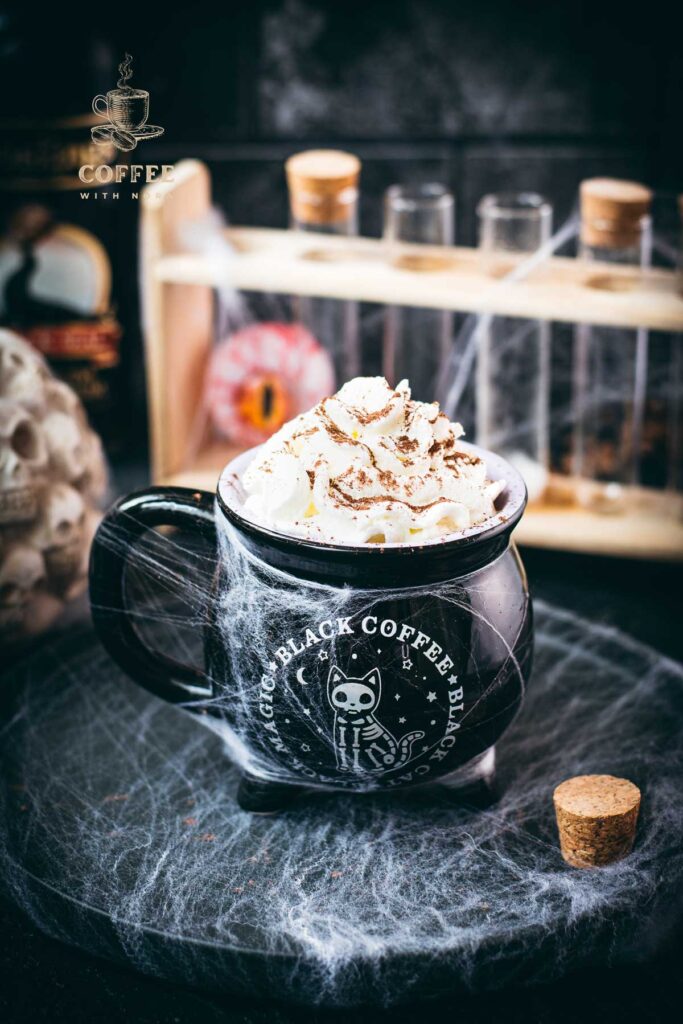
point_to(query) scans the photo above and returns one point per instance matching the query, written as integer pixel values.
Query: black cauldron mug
(411, 683)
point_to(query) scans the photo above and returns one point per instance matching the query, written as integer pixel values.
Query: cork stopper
(596, 819)
(323, 185)
(612, 212)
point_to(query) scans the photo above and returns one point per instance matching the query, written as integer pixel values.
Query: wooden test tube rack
(178, 308)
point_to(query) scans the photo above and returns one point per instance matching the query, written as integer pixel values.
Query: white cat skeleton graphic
(361, 742)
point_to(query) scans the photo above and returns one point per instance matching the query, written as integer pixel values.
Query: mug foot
(262, 796)
(474, 785)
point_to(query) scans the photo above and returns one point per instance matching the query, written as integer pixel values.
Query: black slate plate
(120, 834)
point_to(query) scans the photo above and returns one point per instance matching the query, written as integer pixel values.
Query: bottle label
(96, 341)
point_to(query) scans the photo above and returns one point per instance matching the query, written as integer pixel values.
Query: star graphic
(426, 747)
(431, 696)
(305, 747)
(272, 666)
(307, 711)
(407, 663)
(433, 721)
(402, 720)
(397, 696)
(452, 680)
(323, 655)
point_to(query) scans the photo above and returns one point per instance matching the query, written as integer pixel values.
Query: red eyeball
(262, 376)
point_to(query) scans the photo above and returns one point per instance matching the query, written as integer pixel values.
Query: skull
(22, 454)
(60, 535)
(66, 447)
(22, 573)
(59, 397)
(23, 372)
(42, 611)
(80, 580)
(353, 697)
(94, 481)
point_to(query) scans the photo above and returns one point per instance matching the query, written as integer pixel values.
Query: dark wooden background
(483, 96)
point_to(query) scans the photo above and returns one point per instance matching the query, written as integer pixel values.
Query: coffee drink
(370, 465)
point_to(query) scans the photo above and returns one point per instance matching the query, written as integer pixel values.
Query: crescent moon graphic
(300, 677)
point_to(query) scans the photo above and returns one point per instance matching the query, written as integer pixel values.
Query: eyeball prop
(264, 403)
(262, 376)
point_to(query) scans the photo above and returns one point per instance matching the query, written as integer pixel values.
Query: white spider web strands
(511, 371)
(256, 607)
(120, 831)
(458, 369)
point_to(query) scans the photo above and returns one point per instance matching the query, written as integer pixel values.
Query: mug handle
(128, 520)
(96, 109)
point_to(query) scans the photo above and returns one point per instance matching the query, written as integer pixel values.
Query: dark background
(482, 96)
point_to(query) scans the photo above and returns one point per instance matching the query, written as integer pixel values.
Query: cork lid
(597, 817)
(597, 796)
(323, 184)
(612, 211)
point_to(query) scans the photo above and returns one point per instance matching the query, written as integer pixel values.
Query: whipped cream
(369, 465)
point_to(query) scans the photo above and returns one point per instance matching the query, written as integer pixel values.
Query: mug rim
(507, 515)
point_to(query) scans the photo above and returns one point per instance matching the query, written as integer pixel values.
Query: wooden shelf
(178, 307)
(206, 467)
(637, 534)
(295, 263)
(650, 524)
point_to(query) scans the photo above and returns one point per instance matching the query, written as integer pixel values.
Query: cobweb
(276, 641)
(120, 833)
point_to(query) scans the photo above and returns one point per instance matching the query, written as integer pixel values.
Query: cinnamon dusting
(369, 501)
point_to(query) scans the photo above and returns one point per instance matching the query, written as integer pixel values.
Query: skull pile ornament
(53, 480)
(22, 575)
(23, 455)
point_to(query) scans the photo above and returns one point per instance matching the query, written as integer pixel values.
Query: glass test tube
(323, 197)
(417, 341)
(610, 363)
(675, 468)
(513, 355)
(661, 453)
